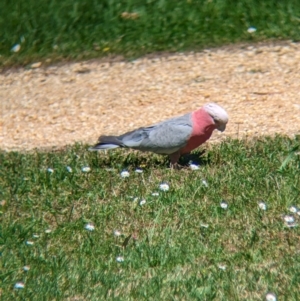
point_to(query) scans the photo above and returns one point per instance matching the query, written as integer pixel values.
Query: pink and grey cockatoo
(173, 137)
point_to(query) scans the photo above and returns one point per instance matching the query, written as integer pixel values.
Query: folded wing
(163, 138)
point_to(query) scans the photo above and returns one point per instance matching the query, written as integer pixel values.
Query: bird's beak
(221, 127)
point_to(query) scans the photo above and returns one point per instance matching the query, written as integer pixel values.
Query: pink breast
(203, 126)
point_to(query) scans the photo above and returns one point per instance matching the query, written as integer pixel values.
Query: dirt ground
(53, 106)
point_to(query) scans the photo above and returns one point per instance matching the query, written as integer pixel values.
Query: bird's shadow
(145, 160)
(197, 157)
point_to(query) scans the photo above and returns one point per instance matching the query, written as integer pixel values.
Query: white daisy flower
(125, 174)
(204, 183)
(117, 233)
(251, 29)
(26, 268)
(19, 285)
(194, 166)
(271, 297)
(224, 205)
(89, 227)
(139, 170)
(69, 169)
(164, 187)
(262, 206)
(142, 202)
(86, 169)
(120, 259)
(48, 231)
(29, 243)
(50, 170)
(222, 267)
(16, 48)
(155, 194)
(293, 209)
(289, 219)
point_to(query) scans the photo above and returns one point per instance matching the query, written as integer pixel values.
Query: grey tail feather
(107, 142)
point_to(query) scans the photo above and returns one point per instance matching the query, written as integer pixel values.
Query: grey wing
(163, 138)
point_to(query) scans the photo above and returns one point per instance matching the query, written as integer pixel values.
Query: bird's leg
(174, 160)
(175, 166)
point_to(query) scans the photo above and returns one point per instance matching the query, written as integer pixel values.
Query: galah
(173, 137)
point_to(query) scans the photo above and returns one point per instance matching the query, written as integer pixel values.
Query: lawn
(76, 227)
(227, 231)
(55, 30)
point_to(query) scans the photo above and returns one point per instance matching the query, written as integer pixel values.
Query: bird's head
(218, 114)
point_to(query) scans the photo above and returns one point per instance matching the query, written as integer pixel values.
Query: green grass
(176, 245)
(76, 29)
(171, 254)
